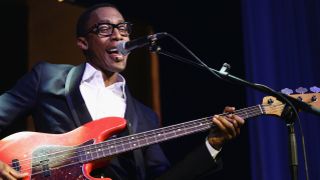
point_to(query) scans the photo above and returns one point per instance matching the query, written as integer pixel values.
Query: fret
(151, 139)
(134, 144)
(104, 152)
(107, 150)
(119, 147)
(127, 145)
(144, 141)
(112, 149)
(140, 139)
(179, 132)
(94, 154)
(170, 134)
(100, 152)
(81, 154)
(145, 138)
(87, 153)
(160, 137)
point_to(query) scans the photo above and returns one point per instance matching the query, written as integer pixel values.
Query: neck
(109, 78)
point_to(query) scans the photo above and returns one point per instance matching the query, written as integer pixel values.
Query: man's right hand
(7, 172)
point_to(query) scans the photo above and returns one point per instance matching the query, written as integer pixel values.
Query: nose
(116, 35)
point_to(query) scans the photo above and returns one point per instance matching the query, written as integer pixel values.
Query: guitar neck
(134, 141)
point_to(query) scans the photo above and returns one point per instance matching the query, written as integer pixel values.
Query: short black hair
(85, 16)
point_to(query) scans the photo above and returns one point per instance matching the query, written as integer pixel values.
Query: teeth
(117, 59)
(113, 50)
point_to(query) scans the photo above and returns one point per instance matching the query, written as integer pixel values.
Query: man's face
(100, 47)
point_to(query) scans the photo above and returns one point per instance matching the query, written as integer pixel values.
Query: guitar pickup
(16, 164)
(45, 168)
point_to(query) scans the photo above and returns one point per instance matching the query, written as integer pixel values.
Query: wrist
(215, 144)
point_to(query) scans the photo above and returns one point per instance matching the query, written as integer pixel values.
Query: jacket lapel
(130, 114)
(75, 101)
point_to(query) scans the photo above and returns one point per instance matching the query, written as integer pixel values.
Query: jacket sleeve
(198, 164)
(19, 100)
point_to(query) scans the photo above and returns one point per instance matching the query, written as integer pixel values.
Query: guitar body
(44, 156)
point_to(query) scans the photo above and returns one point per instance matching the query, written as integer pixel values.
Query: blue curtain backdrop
(282, 50)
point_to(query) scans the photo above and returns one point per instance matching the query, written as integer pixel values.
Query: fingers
(232, 117)
(7, 172)
(17, 174)
(227, 127)
(229, 109)
(229, 124)
(236, 119)
(8, 176)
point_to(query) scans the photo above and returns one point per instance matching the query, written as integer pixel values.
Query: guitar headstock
(275, 107)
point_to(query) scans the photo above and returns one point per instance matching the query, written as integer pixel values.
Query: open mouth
(114, 53)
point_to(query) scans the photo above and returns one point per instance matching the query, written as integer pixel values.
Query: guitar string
(77, 162)
(113, 144)
(58, 167)
(116, 139)
(239, 112)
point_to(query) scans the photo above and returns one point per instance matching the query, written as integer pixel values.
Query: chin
(119, 68)
(121, 65)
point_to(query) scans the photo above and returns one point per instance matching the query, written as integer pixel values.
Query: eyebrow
(109, 22)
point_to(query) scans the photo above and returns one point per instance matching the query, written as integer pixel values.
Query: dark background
(210, 29)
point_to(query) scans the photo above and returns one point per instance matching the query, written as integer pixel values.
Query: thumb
(19, 175)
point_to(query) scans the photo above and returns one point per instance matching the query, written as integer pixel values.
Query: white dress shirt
(100, 100)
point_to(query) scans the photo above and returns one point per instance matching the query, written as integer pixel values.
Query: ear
(82, 43)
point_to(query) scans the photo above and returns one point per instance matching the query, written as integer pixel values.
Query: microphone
(125, 48)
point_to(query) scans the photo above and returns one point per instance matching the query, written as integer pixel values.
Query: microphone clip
(154, 48)
(225, 69)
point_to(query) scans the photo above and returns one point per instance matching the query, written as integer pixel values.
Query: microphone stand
(290, 112)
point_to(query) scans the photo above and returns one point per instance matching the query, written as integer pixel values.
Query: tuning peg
(315, 89)
(301, 90)
(287, 91)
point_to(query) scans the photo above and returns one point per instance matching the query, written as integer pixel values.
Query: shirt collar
(94, 77)
(89, 72)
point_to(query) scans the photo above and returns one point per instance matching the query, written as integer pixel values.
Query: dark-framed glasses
(106, 29)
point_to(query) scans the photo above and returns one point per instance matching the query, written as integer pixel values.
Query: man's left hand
(228, 127)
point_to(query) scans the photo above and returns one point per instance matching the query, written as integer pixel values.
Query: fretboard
(123, 144)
